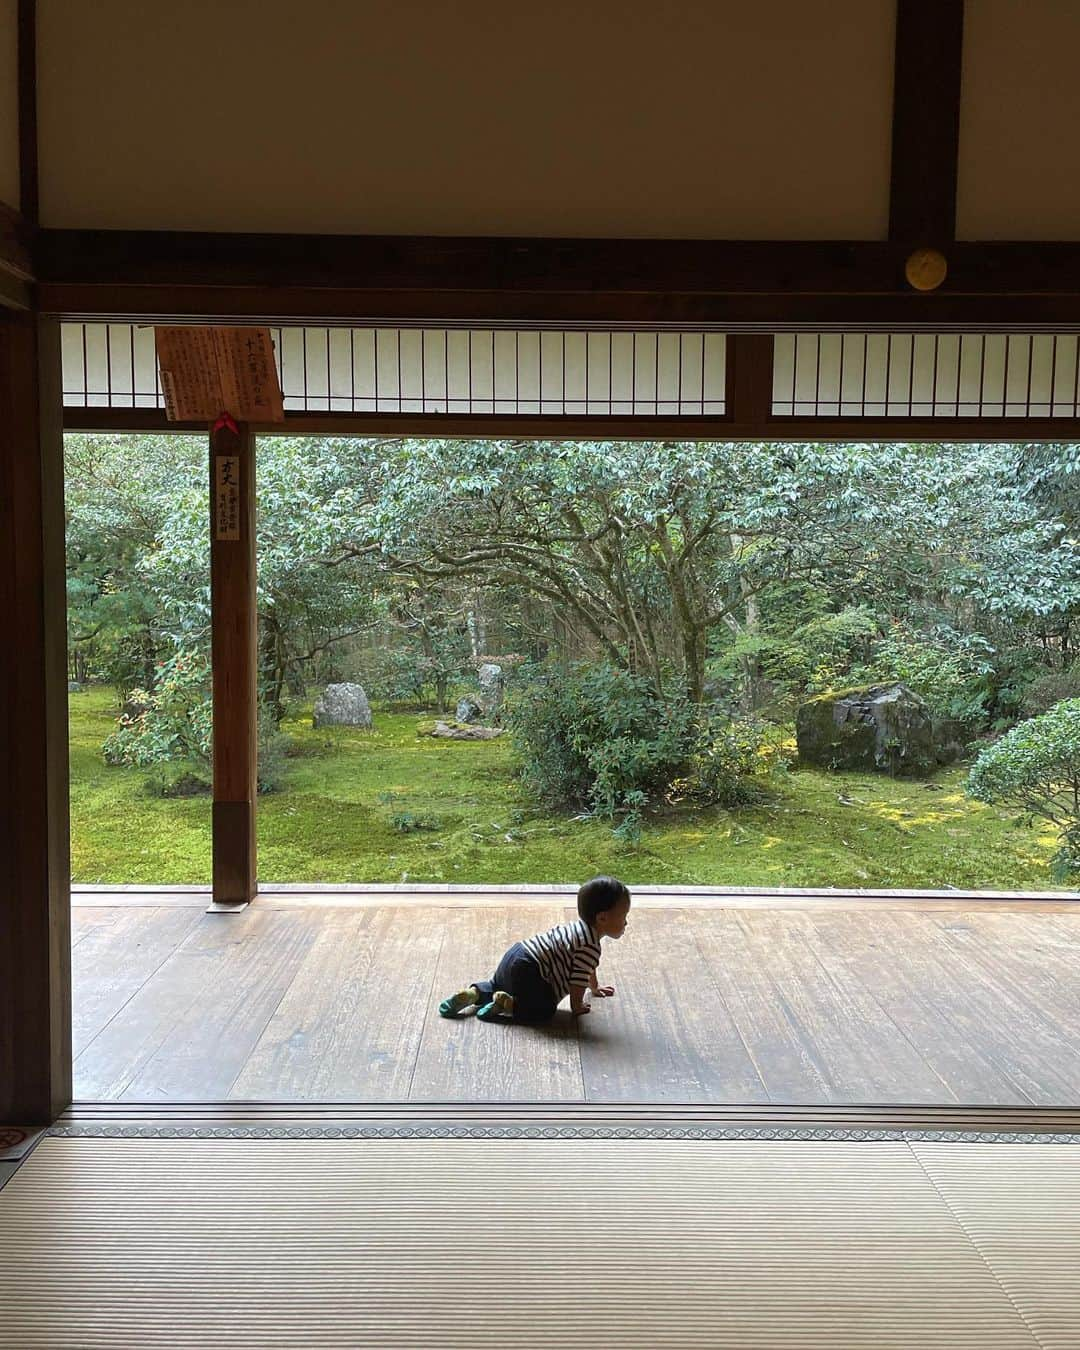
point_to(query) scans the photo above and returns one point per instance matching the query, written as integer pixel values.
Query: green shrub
(407, 822)
(732, 763)
(835, 644)
(392, 676)
(176, 721)
(588, 738)
(413, 675)
(175, 728)
(813, 656)
(604, 741)
(179, 780)
(1036, 767)
(781, 661)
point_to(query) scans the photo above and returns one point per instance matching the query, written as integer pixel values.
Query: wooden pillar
(750, 379)
(35, 899)
(233, 655)
(926, 121)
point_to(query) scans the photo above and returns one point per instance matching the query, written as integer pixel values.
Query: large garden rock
(468, 710)
(883, 727)
(454, 731)
(342, 705)
(492, 683)
(951, 738)
(133, 707)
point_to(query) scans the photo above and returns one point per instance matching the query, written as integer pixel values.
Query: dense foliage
(1036, 767)
(603, 740)
(720, 583)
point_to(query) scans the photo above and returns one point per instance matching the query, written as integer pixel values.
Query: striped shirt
(566, 954)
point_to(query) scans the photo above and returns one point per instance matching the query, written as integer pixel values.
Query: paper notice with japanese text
(226, 496)
(207, 371)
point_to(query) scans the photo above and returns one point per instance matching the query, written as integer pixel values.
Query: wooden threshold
(454, 896)
(88, 1116)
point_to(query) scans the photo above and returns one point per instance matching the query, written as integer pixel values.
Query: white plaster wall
(711, 118)
(1019, 169)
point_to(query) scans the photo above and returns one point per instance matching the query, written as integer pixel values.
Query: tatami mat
(1021, 1209)
(536, 1242)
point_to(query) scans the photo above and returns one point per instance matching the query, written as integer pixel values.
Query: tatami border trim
(448, 1131)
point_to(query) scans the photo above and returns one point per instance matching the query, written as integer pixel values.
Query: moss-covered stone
(951, 737)
(886, 728)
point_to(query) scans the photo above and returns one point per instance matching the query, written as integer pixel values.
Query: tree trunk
(148, 656)
(750, 667)
(271, 668)
(693, 643)
(477, 625)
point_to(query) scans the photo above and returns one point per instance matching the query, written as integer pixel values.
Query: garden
(685, 662)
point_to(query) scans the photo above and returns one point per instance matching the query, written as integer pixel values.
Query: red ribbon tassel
(225, 420)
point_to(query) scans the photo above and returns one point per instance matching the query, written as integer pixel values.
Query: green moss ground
(332, 821)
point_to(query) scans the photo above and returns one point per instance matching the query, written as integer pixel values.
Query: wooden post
(233, 656)
(750, 377)
(35, 868)
(926, 121)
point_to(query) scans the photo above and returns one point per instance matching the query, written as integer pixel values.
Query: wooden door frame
(769, 286)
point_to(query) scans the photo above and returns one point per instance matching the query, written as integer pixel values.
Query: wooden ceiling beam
(926, 122)
(774, 312)
(287, 263)
(291, 278)
(755, 424)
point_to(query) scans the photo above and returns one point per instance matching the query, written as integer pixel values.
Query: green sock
(464, 998)
(499, 1009)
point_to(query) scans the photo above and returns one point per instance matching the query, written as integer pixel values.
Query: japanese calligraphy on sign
(226, 496)
(206, 371)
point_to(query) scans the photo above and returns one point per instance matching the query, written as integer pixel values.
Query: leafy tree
(770, 562)
(120, 495)
(648, 547)
(138, 553)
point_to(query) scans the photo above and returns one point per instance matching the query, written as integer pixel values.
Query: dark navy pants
(519, 975)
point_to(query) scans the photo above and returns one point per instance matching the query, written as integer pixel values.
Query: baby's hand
(604, 991)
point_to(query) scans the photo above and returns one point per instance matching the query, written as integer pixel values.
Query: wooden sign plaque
(207, 371)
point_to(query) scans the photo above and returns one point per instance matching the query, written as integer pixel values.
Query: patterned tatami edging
(436, 1130)
(851, 1124)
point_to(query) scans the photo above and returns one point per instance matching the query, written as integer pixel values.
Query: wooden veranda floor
(738, 1000)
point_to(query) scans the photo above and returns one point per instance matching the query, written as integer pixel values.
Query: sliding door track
(554, 1120)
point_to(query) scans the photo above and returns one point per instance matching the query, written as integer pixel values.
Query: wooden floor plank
(903, 991)
(226, 977)
(823, 1005)
(87, 919)
(667, 1035)
(243, 980)
(112, 961)
(867, 1058)
(1033, 940)
(1042, 977)
(466, 1060)
(787, 1063)
(349, 1027)
(1044, 1067)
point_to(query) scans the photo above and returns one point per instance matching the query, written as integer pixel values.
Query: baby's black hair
(598, 895)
